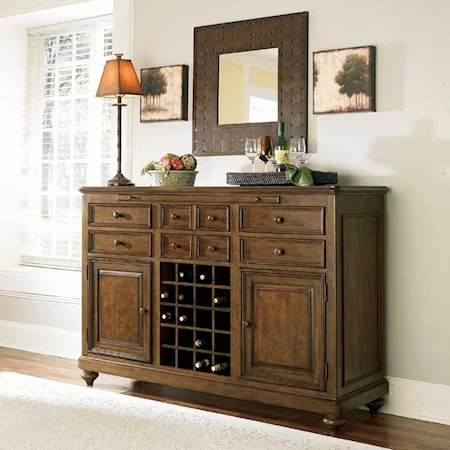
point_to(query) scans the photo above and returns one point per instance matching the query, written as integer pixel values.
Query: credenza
(270, 294)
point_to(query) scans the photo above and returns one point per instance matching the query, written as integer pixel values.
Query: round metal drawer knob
(174, 245)
(246, 324)
(117, 242)
(142, 311)
(278, 220)
(174, 216)
(279, 251)
(117, 214)
(211, 218)
(211, 248)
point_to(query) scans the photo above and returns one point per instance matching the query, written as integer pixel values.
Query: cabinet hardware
(257, 199)
(278, 219)
(211, 248)
(117, 242)
(117, 214)
(142, 311)
(246, 324)
(279, 252)
(174, 245)
(174, 216)
(211, 218)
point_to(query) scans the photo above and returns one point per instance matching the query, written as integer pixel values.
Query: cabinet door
(120, 310)
(284, 328)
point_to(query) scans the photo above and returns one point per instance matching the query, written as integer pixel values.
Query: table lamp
(119, 79)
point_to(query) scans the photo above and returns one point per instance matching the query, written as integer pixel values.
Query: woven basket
(277, 178)
(172, 178)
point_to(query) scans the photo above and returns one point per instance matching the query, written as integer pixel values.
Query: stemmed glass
(298, 151)
(251, 150)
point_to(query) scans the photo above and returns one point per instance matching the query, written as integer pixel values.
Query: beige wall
(405, 145)
(231, 92)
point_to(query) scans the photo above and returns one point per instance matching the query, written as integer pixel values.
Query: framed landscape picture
(344, 80)
(165, 93)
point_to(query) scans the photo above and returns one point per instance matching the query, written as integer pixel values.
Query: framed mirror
(248, 76)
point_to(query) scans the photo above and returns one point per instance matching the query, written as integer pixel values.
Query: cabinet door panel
(284, 328)
(120, 310)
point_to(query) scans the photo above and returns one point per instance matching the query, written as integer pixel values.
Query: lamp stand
(119, 179)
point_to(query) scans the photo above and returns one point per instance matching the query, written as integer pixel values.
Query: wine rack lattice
(195, 317)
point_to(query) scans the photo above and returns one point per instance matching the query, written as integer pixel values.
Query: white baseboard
(39, 339)
(418, 400)
(407, 398)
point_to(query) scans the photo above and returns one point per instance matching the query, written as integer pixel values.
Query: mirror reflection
(248, 87)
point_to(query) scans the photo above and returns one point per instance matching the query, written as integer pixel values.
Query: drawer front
(176, 246)
(215, 248)
(122, 243)
(303, 220)
(215, 218)
(303, 253)
(176, 217)
(120, 216)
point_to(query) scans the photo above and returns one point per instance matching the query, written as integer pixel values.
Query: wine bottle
(201, 343)
(181, 297)
(282, 151)
(165, 295)
(202, 364)
(222, 300)
(166, 316)
(219, 367)
(183, 319)
(185, 275)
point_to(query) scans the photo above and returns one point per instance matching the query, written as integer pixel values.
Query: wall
(405, 145)
(9, 8)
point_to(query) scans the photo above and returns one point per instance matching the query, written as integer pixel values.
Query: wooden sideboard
(280, 289)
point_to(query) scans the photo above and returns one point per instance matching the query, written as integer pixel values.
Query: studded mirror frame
(288, 33)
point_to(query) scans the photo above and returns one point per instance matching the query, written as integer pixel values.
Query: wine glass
(251, 150)
(298, 151)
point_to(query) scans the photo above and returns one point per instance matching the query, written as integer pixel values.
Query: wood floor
(382, 430)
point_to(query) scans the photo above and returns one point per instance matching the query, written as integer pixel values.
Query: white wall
(405, 145)
(9, 8)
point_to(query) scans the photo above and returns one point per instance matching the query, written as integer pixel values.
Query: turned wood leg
(333, 422)
(89, 377)
(375, 405)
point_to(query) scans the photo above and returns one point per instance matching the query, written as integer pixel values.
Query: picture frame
(165, 94)
(344, 80)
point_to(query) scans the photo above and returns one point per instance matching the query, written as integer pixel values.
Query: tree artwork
(344, 80)
(353, 78)
(154, 84)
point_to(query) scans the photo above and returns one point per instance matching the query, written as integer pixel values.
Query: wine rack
(195, 317)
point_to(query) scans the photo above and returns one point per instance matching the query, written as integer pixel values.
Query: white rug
(40, 414)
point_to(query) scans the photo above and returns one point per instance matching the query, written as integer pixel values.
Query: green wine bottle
(282, 151)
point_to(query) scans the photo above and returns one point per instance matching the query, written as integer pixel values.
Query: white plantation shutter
(68, 136)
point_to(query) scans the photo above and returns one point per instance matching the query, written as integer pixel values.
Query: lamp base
(120, 180)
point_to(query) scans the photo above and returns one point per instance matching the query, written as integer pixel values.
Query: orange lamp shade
(119, 79)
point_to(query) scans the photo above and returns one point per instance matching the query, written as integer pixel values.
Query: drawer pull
(246, 324)
(211, 218)
(174, 245)
(257, 199)
(117, 214)
(279, 251)
(117, 242)
(278, 220)
(211, 248)
(142, 311)
(174, 216)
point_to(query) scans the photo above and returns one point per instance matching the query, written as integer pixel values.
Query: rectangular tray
(277, 178)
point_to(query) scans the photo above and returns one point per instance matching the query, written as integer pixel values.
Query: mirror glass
(248, 87)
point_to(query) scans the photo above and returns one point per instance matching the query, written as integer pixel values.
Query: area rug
(40, 414)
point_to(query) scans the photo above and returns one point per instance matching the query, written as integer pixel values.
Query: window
(68, 136)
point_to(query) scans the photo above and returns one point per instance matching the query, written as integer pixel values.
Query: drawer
(176, 246)
(176, 217)
(120, 216)
(215, 248)
(136, 244)
(303, 220)
(306, 253)
(215, 218)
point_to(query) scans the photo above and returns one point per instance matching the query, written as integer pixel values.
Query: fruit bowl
(172, 177)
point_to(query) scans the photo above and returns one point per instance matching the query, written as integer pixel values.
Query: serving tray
(277, 178)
